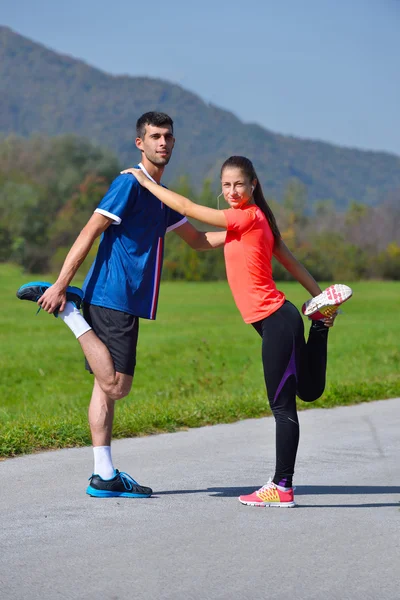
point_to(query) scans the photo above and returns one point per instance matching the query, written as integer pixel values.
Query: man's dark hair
(157, 119)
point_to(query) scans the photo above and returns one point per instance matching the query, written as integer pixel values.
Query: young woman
(291, 366)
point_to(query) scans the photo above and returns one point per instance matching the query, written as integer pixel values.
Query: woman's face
(236, 187)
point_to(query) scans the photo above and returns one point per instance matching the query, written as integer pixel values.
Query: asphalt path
(193, 540)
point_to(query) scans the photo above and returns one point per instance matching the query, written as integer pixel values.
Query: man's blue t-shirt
(126, 273)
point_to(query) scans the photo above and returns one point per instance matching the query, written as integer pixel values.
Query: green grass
(198, 364)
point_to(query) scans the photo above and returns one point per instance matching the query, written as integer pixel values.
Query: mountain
(46, 92)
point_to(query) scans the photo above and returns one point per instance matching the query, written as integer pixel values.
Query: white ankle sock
(75, 321)
(103, 464)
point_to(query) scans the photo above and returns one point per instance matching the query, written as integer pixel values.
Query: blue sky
(319, 69)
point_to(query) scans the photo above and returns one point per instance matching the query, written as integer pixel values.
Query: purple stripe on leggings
(290, 370)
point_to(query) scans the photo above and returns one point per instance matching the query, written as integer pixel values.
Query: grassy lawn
(197, 364)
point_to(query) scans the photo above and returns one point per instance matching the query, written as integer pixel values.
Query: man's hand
(138, 174)
(54, 298)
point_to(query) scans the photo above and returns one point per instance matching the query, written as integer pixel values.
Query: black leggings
(291, 366)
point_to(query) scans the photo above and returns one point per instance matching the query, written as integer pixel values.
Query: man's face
(157, 144)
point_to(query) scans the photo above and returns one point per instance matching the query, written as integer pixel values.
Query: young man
(121, 287)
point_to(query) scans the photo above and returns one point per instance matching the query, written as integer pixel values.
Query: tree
(48, 189)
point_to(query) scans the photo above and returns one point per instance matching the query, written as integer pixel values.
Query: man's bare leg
(109, 386)
(114, 385)
(101, 416)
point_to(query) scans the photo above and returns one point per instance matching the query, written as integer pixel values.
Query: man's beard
(159, 161)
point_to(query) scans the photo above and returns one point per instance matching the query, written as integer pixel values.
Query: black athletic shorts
(118, 331)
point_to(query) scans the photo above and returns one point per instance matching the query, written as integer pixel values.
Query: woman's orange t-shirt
(248, 254)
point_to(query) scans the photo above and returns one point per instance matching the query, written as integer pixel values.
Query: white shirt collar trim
(146, 173)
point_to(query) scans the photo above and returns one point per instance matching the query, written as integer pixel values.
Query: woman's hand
(330, 321)
(138, 174)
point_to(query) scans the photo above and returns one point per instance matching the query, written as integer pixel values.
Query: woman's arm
(200, 240)
(295, 268)
(179, 203)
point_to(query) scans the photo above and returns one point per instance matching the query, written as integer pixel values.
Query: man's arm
(200, 240)
(295, 268)
(55, 297)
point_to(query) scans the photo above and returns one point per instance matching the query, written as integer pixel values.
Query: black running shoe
(35, 289)
(122, 486)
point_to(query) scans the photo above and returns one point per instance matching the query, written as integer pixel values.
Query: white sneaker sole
(267, 504)
(333, 296)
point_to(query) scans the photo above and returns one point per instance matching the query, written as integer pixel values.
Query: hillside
(43, 91)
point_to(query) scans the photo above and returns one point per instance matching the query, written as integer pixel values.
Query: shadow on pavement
(303, 490)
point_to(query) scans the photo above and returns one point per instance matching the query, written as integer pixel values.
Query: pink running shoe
(327, 302)
(269, 495)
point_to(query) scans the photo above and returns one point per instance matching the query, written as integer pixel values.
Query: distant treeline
(49, 187)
